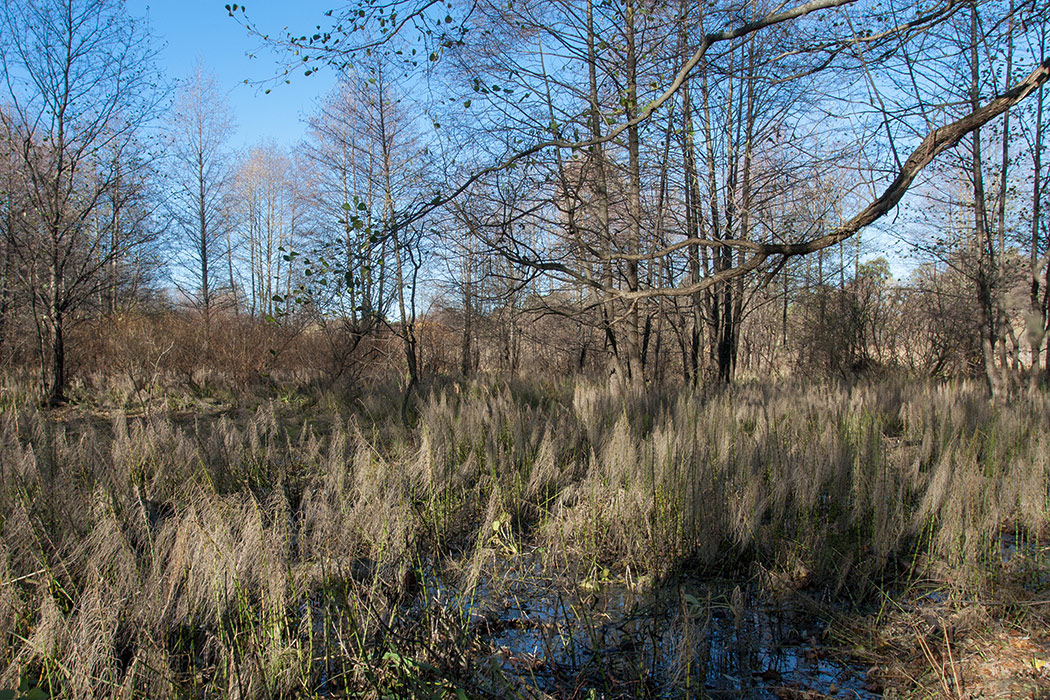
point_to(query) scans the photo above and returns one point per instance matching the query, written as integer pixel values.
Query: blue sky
(188, 30)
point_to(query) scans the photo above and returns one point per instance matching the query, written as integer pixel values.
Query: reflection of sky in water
(608, 637)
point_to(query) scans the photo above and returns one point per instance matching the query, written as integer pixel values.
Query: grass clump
(315, 546)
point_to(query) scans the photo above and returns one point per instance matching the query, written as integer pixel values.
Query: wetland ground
(523, 540)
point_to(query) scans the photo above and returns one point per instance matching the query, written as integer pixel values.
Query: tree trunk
(693, 217)
(5, 280)
(466, 356)
(601, 192)
(1037, 335)
(984, 246)
(635, 370)
(56, 388)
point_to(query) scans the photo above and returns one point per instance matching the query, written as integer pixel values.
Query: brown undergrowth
(928, 639)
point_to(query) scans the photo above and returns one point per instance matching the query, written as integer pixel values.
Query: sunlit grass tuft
(286, 549)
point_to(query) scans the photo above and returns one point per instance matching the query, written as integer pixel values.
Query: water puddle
(606, 639)
(1026, 556)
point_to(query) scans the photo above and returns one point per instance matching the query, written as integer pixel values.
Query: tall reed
(290, 549)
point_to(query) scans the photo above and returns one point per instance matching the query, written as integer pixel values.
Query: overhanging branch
(935, 143)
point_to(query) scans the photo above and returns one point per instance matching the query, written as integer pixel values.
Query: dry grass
(285, 548)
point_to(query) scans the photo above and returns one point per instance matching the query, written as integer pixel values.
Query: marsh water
(605, 637)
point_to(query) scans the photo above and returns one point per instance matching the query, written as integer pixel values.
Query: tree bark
(984, 246)
(635, 370)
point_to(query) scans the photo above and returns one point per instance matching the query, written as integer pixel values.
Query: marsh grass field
(526, 540)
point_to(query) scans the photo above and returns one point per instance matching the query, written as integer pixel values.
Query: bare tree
(12, 213)
(363, 148)
(272, 212)
(201, 183)
(80, 84)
